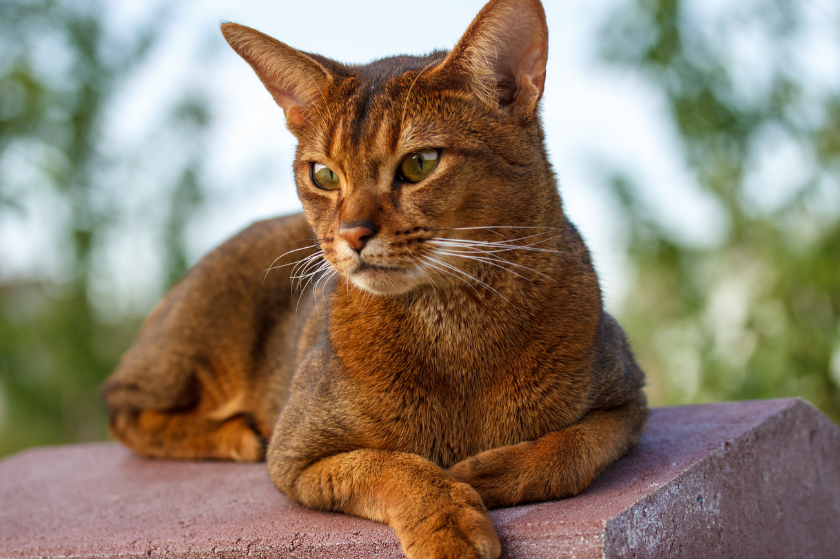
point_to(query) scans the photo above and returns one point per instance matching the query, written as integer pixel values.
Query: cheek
(319, 210)
(444, 203)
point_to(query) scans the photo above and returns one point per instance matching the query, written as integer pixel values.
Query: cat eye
(324, 178)
(417, 166)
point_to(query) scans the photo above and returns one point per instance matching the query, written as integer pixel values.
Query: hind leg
(174, 396)
(187, 435)
(207, 374)
(211, 422)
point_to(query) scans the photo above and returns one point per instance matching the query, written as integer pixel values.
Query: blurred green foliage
(59, 74)
(756, 312)
(753, 314)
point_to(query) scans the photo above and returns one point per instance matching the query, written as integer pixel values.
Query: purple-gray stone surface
(747, 479)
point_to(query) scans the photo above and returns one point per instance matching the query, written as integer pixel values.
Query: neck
(466, 320)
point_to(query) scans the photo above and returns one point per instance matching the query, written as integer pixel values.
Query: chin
(387, 281)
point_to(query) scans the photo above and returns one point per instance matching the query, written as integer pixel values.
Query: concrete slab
(749, 479)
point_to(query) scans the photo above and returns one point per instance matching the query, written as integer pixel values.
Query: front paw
(459, 528)
(492, 481)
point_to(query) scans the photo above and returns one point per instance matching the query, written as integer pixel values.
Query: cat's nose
(357, 233)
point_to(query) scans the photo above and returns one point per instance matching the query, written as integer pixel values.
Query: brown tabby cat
(449, 351)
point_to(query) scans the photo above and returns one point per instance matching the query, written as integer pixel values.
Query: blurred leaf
(59, 75)
(758, 314)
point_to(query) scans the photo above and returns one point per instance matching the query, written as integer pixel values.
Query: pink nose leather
(358, 235)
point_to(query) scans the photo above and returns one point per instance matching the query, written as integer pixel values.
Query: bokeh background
(697, 144)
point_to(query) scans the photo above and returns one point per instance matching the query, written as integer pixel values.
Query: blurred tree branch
(60, 72)
(757, 314)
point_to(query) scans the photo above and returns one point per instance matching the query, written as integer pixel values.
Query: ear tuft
(503, 54)
(296, 81)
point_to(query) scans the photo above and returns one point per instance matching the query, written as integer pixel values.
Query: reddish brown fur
(416, 398)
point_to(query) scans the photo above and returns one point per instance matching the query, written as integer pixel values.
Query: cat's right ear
(295, 80)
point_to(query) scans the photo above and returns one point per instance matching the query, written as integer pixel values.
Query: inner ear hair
(503, 54)
(294, 79)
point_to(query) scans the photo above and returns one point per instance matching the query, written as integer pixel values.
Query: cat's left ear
(503, 55)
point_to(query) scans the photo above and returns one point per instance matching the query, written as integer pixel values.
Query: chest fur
(455, 382)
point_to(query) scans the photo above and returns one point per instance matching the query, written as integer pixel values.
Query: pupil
(420, 161)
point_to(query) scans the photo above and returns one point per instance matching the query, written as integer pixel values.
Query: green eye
(324, 178)
(416, 167)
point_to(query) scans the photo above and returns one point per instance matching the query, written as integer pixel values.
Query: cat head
(406, 165)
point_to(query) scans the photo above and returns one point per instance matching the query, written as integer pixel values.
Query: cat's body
(454, 353)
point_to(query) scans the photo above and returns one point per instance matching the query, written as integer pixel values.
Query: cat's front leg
(559, 464)
(433, 515)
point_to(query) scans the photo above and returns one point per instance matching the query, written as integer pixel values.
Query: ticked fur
(447, 350)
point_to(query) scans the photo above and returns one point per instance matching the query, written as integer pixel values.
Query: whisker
(494, 262)
(324, 266)
(272, 267)
(305, 264)
(367, 297)
(494, 228)
(442, 273)
(476, 248)
(501, 260)
(508, 241)
(422, 269)
(434, 269)
(326, 280)
(308, 270)
(313, 257)
(456, 269)
(497, 246)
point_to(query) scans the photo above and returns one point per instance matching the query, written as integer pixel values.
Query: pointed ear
(295, 80)
(503, 55)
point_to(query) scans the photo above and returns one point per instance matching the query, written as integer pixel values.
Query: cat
(431, 341)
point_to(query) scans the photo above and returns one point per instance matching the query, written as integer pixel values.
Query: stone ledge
(749, 479)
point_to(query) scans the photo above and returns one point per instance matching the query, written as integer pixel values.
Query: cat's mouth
(363, 266)
(385, 280)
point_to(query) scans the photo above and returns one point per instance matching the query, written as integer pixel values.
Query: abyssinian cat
(446, 350)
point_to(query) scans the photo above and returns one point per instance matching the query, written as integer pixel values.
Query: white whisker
(324, 266)
(326, 280)
(422, 270)
(456, 269)
(496, 246)
(488, 256)
(305, 265)
(495, 262)
(272, 267)
(308, 271)
(506, 240)
(442, 273)
(502, 227)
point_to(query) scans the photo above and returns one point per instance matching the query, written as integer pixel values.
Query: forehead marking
(366, 128)
(360, 114)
